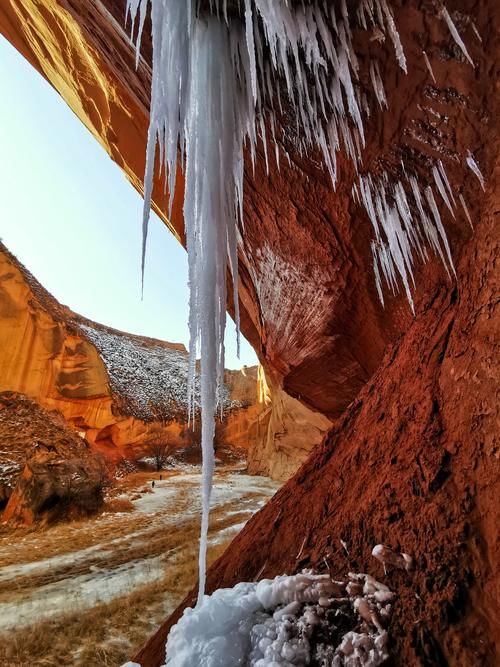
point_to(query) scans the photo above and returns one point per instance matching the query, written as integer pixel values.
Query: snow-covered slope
(148, 378)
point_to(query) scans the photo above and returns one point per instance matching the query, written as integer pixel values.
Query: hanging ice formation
(455, 34)
(472, 164)
(390, 212)
(220, 82)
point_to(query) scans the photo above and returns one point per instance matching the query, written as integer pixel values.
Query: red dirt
(413, 463)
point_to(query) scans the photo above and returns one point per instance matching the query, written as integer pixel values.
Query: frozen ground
(95, 561)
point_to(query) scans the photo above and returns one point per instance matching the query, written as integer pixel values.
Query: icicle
(429, 66)
(476, 32)
(455, 34)
(466, 210)
(439, 225)
(441, 188)
(378, 282)
(251, 47)
(472, 164)
(398, 47)
(377, 84)
(446, 181)
(402, 230)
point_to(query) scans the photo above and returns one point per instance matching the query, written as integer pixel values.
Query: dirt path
(72, 568)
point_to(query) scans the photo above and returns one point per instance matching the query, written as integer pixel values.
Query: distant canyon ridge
(122, 395)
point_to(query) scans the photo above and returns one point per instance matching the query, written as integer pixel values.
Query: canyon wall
(122, 392)
(276, 431)
(412, 458)
(48, 354)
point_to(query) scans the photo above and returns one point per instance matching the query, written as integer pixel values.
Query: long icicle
(210, 82)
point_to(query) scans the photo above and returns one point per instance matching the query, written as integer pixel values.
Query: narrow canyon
(375, 402)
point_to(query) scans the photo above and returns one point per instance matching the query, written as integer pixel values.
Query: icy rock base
(305, 619)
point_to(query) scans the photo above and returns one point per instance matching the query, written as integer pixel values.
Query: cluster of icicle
(389, 210)
(214, 88)
(220, 82)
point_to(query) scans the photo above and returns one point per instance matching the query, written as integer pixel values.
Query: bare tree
(160, 450)
(159, 453)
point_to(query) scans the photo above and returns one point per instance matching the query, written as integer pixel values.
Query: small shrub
(118, 505)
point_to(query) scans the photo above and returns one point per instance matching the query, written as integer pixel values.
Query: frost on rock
(290, 620)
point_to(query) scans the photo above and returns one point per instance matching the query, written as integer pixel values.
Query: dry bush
(118, 505)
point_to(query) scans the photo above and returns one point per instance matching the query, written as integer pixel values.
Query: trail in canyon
(73, 567)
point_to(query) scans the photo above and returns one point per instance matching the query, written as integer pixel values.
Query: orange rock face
(413, 463)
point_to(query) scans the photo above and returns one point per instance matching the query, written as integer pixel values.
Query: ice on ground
(275, 621)
(81, 578)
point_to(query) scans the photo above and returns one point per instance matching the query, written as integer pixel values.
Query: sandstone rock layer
(61, 477)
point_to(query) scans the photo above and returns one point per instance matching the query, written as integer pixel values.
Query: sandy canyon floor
(88, 592)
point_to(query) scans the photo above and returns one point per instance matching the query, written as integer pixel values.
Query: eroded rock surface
(61, 476)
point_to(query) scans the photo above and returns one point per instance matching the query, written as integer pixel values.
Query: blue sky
(71, 217)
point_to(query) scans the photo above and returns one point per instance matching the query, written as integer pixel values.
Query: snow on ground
(80, 578)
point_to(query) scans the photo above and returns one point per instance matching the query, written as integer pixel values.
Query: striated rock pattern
(61, 476)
